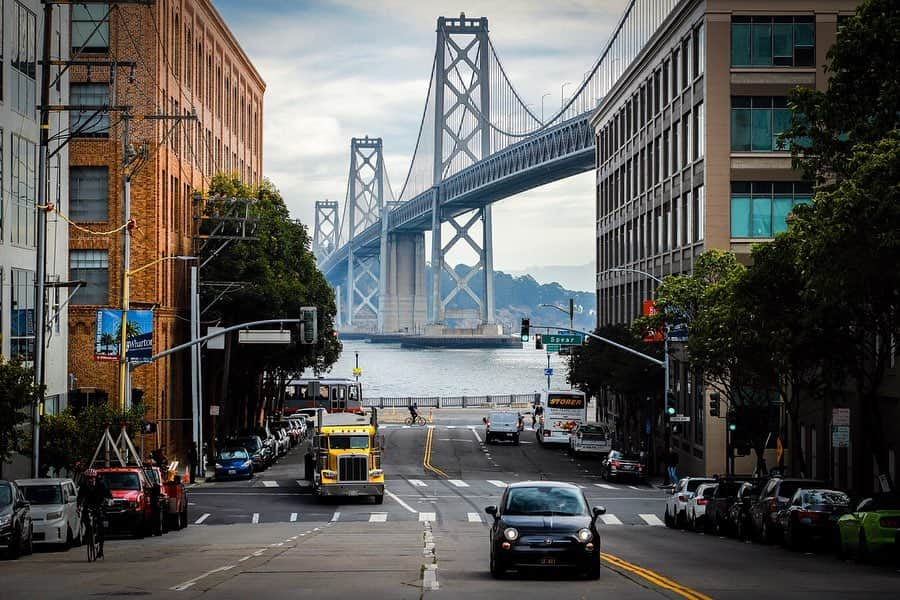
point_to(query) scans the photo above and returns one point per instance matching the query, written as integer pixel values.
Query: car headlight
(376, 473)
(133, 504)
(6, 520)
(219, 465)
(511, 534)
(584, 535)
(247, 463)
(53, 516)
(329, 474)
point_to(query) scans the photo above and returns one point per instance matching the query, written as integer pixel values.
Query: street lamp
(570, 311)
(562, 95)
(542, 106)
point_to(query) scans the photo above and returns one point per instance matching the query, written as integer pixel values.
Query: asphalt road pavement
(270, 537)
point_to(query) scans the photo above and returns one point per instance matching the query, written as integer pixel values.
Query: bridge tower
(365, 202)
(462, 136)
(327, 228)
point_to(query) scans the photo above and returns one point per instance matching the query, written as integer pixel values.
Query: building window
(760, 209)
(92, 267)
(23, 191)
(24, 63)
(773, 41)
(699, 213)
(90, 27)
(686, 75)
(21, 315)
(699, 50)
(699, 132)
(757, 121)
(89, 193)
(90, 123)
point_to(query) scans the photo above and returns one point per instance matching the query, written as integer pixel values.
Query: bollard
(431, 415)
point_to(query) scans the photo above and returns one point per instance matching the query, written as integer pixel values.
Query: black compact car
(775, 495)
(15, 520)
(812, 515)
(739, 510)
(619, 464)
(718, 511)
(544, 524)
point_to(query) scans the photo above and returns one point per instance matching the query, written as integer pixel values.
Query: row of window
(760, 209)
(773, 41)
(19, 225)
(21, 313)
(756, 123)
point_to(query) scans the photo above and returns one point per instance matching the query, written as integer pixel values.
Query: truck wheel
(184, 516)
(379, 499)
(516, 440)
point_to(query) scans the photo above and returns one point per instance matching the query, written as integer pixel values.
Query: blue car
(234, 463)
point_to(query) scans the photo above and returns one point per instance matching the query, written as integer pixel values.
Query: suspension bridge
(478, 143)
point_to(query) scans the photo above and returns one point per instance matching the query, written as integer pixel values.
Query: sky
(336, 69)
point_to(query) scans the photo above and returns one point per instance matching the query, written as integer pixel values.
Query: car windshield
(728, 488)
(233, 454)
(503, 417)
(829, 497)
(121, 481)
(42, 494)
(693, 484)
(789, 488)
(590, 429)
(5, 495)
(251, 444)
(348, 442)
(545, 500)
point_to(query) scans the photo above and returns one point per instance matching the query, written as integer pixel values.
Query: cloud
(336, 69)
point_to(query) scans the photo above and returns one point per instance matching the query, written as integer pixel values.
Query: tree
(60, 442)
(17, 393)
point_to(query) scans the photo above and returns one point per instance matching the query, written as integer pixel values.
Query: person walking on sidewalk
(672, 465)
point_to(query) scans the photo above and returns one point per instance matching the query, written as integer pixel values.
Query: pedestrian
(672, 465)
(192, 460)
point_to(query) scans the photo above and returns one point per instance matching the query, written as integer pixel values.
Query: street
(270, 536)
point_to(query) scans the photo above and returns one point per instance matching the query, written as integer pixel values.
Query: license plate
(106, 524)
(38, 536)
(232, 471)
(353, 493)
(548, 560)
(627, 467)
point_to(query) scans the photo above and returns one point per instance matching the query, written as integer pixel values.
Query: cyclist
(413, 412)
(92, 497)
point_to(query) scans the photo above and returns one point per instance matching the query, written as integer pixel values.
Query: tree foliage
(17, 393)
(597, 366)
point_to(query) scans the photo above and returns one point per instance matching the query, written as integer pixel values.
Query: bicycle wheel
(90, 544)
(408, 421)
(420, 420)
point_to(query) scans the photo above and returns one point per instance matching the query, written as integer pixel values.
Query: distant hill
(573, 277)
(516, 297)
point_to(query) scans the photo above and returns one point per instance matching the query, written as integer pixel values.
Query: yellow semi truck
(344, 457)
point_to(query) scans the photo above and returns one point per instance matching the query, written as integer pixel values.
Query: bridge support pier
(403, 302)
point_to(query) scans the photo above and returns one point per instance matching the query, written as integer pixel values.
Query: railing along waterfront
(508, 400)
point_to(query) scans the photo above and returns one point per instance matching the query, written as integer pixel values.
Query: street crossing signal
(538, 343)
(309, 332)
(732, 420)
(526, 326)
(714, 400)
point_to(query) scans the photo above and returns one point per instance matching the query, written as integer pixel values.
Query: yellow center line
(655, 578)
(426, 459)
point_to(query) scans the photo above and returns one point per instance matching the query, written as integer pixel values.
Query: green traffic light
(732, 427)
(671, 410)
(524, 338)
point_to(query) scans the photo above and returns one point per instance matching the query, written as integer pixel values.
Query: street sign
(680, 419)
(214, 410)
(568, 339)
(840, 416)
(552, 347)
(678, 333)
(357, 371)
(548, 372)
(840, 436)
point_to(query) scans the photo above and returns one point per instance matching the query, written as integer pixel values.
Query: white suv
(696, 509)
(677, 503)
(54, 513)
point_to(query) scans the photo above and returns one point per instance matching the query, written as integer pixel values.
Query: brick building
(176, 57)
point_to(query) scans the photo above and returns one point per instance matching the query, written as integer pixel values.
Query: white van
(54, 514)
(562, 411)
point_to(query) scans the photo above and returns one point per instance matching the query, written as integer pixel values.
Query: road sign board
(680, 419)
(548, 372)
(551, 347)
(568, 339)
(840, 416)
(840, 436)
(214, 410)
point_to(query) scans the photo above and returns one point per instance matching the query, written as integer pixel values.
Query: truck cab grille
(353, 468)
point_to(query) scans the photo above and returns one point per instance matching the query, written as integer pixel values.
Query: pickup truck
(590, 438)
(178, 502)
(131, 507)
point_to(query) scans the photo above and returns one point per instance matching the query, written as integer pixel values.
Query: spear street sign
(563, 339)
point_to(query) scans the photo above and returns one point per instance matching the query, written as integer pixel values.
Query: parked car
(159, 521)
(178, 502)
(812, 515)
(590, 438)
(872, 529)
(54, 510)
(132, 507)
(718, 510)
(676, 504)
(311, 415)
(619, 464)
(254, 447)
(775, 495)
(544, 524)
(739, 511)
(282, 437)
(503, 425)
(15, 521)
(233, 462)
(696, 506)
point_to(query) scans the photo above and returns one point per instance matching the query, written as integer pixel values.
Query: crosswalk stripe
(255, 518)
(458, 483)
(605, 486)
(634, 487)
(451, 426)
(418, 483)
(378, 517)
(202, 518)
(427, 516)
(270, 483)
(652, 520)
(474, 518)
(335, 516)
(302, 483)
(293, 517)
(610, 520)
(496, 483)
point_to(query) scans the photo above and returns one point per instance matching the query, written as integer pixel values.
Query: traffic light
(714, 400)
(148, 427)
(670, 411)
(538, 343)
(526, 326)
(309, 331)
(731, 418)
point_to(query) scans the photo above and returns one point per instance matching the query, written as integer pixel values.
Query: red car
(132, 509)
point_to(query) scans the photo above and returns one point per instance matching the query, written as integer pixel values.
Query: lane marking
(458, 483)
(300, 482)
(293, 517)
(655, 578)
(248, 557)
(451, 426)
(276, 544)
(427, 516)
(610, 520)
(636, 488)
(475, 431)
(258, 552)
(399, 501)
(496, 483)
(270, 484)
(652, 520)
(418, 483)
(255, 518)
(202, 518)
(474, 518)
(426, 458)
(605, 486)
(335, 516)
(183, 586)
(378, 517)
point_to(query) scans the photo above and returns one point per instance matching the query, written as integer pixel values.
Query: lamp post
(570, 311)
(562, 95)
(542, 106)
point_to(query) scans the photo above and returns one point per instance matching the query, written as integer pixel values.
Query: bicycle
(419, 420)
(93, 534)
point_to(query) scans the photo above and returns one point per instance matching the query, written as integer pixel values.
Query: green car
(873, 528)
